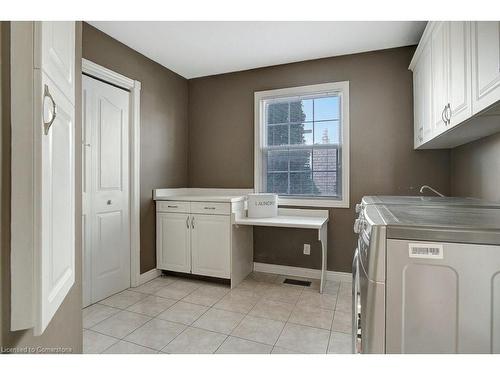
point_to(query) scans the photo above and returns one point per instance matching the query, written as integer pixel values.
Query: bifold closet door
(106, 190)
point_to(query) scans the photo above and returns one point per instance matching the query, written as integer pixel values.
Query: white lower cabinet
(211, 245)
(199, 238)
(173, 241)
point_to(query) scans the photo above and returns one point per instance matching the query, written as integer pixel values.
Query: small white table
(296, 218)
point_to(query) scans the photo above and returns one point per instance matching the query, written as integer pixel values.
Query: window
(302, 144)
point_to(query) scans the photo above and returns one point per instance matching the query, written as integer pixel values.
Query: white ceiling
(194, 49)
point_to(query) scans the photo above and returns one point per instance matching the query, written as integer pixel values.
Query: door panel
(106, 186)
(108, 224)
(58, 54)
(459, 71)
(210, 245)
(110, 158)
(173, 242)
(57, 255)
(485, 64)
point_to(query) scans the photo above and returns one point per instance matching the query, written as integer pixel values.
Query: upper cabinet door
(422, 96)
(439, 46)
(459, 73)
(485, 64)
(56, 54)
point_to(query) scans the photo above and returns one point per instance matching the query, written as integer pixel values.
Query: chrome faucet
(423, 187)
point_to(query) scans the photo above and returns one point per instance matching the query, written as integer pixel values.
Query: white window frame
(340, 88)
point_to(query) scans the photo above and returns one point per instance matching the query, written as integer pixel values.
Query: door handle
(187, 222)
(448, 113)
(443, 116)
(109, 202)
(48, 124)
(192, 222)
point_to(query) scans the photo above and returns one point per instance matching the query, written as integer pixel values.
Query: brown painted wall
(475, 169)
(65, 329)
(164, 124)
(221, 126)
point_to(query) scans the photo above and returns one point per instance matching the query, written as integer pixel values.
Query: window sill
(311, 202)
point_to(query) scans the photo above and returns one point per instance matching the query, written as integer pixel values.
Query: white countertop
(289, 218)
(284, 221)
(201, 195)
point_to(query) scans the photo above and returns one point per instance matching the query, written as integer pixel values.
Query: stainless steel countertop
(427, 201)
(438, 223)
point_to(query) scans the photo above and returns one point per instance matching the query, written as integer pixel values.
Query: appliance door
(356, 305)
(442, 301)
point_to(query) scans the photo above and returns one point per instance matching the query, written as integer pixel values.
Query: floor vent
(297, 282)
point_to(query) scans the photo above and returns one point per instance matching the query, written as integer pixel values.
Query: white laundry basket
(262, 205)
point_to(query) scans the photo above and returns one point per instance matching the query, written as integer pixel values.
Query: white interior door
(106, 190)
(55, 265)
(42, 260)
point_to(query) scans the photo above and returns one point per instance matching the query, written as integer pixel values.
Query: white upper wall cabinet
(464, 62)
(43, 171)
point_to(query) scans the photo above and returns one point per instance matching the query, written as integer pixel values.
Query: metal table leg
(322, 237)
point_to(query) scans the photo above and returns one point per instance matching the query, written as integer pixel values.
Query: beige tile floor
(262, 315)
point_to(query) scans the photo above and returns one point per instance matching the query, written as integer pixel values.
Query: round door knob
(108, 202)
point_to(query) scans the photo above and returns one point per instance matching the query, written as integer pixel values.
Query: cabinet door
(55, 259)
(459, 74)
(485, 64)
(56, 56)
(173, 242)
(211, 245)
(422, 92)
(439, 45)
(418, 128)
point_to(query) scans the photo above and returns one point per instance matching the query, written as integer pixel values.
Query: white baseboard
(301, 272)
(148, 276)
